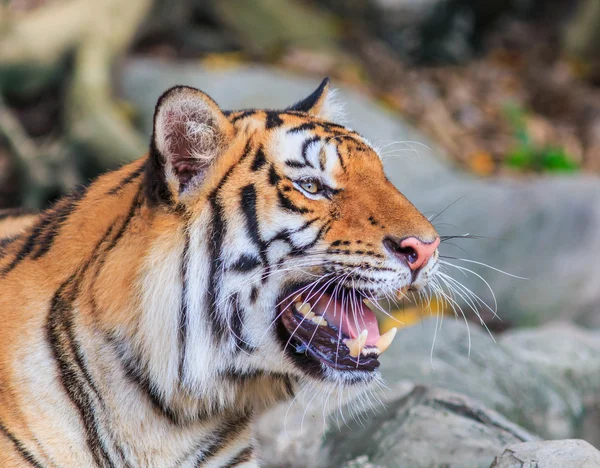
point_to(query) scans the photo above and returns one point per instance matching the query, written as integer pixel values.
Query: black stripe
(306, 145)
(135, 205)
(222, 436)
(243, 456)
(217, 234)
(273, 120)
(58, 337)
(245, 263)
(46, 229)
(254, 294)
(59, 216)
(4, 243)
(335, 128)
(259, 160)
(274, 178)
(135, 373)
(248, 203)
(340, 159)
(20, 447)
(243, 115)
(285, 234)
(300, 250)
(237, 327)
(29, 244)
(295, 164)
(287, 204)
(249, 207)
(296, 113)
(15, 213)
(183, 306)
(126, 181)
(302, 127)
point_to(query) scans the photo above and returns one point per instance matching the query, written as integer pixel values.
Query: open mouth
(334, 328)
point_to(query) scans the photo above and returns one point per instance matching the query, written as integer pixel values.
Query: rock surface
(511, 214)
(418, 426)
(545, 379)
(428, 427)
(549, 454)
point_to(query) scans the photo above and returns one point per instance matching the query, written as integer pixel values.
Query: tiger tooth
(353, 347)
(371, 351)
(386, 339)
(357, 344)
(362, 339)
(319, 320)
(304, 309)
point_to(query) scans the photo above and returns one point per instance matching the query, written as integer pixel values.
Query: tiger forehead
(294, 123)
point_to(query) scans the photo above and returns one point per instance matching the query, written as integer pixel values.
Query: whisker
(448, 207)
(485, 265)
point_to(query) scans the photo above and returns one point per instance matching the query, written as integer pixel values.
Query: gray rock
(426, 428)
(547, 380)
(546, 229)
(416, 426)
(549, 454)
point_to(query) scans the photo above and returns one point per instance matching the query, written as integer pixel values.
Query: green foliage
(527, 156)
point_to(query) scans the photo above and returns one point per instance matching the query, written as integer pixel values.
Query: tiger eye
(310, 186)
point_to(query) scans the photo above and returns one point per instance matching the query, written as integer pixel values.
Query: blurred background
(487, 113)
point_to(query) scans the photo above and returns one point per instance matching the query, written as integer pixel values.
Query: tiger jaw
(333, 330)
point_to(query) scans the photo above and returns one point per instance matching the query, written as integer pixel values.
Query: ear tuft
(190, 131)
(321, 103)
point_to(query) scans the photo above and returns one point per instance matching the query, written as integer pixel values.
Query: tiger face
(292, 233)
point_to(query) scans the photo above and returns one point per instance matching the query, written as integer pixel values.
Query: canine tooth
(319, 320)
(357, 344)
(362, 339)
(353, 347)
(386, 339)
(305, 308)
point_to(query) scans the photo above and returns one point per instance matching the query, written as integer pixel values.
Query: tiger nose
(412, 250)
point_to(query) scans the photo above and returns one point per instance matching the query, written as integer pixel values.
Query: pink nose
(414, 251)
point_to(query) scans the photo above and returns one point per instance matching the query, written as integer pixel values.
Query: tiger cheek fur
(149, 318)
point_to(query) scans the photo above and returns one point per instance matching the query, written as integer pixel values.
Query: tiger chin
(149, 318)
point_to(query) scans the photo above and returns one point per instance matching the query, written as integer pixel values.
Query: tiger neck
(144, 289)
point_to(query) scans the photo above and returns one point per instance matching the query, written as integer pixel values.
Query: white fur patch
(333, 108)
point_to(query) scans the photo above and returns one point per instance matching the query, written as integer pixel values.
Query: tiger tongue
(349, 316)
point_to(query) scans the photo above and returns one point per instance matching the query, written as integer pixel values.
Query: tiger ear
(190, 131)
(321, 103)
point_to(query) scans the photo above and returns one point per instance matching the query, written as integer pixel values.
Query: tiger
(150, 317)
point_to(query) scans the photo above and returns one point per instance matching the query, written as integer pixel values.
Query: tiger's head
(291, 229)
